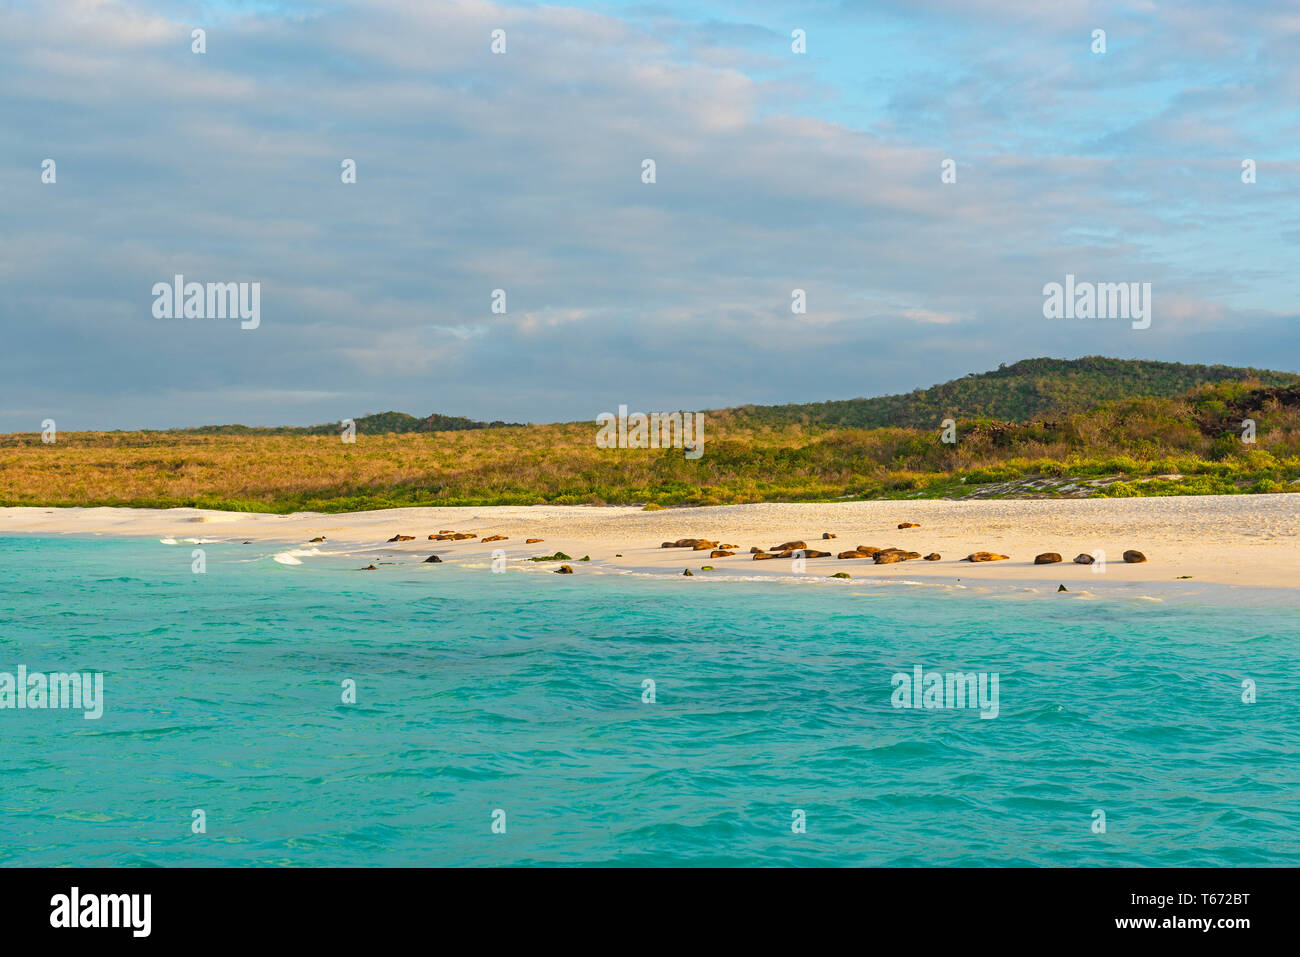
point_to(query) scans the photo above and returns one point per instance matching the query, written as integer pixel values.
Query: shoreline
(1245, 540)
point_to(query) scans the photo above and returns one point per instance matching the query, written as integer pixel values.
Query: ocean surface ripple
(522, 692)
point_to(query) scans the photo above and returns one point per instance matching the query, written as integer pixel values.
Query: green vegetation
(1029, 389)
(1187, 444)
(380, 423)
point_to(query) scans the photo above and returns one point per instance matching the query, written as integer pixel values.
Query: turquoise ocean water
(523, 692)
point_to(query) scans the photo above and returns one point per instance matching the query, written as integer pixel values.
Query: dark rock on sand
(1047, 558)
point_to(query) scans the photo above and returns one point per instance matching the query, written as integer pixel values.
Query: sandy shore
(1225, 539)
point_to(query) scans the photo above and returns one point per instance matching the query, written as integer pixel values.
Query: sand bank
(1224, 539)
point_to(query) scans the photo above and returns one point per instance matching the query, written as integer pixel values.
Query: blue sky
(522, 171)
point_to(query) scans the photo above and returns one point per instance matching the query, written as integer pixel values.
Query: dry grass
(560, 464)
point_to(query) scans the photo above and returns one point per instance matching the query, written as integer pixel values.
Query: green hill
(380, 423)
(384, 422)
(1028, 390)
(1241, 434)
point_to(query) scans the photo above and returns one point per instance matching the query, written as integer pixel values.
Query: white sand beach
(1226, 539)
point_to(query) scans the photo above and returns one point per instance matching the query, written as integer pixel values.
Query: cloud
(523, 172)
(930, 316)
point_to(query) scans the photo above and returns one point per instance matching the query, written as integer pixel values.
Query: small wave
(294, 555)
(168, 541)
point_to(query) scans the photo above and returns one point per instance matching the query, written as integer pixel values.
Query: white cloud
(522, 172)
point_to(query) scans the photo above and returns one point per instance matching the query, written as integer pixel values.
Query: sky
(523, 171)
